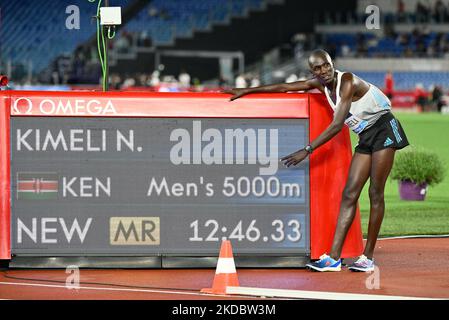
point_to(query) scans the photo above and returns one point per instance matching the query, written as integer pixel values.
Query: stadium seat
(408, 80)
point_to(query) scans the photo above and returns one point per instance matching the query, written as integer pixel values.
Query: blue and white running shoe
(326, 263)
(363, 264)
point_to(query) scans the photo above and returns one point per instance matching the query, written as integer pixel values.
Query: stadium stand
(412, 32)
(21, 19)
(408, 80)
(162, 20)
(167, 20)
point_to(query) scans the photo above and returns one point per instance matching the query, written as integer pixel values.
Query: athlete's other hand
(294, 158)
(236, 93)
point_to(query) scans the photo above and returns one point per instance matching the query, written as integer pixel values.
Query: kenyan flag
(37, 186)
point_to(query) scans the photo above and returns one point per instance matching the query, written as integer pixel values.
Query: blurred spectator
(122, 43)
(116, 81)
(299, 41)
(302, 77)
(439, 11)
(389, 85)
(155, 81)
(144, 39)
(197, 85)
(446, 52)
(153, 11)
(420, 49)
(440, 41)
(222, 82)
(430, 51)
(169, 84)
(416, 33)
(345, 50)
(240, 82)
(389, 31)
(422, 12)
(401, 11)
(142, 80)
(437, 98)
(445, 107)
(403, 39)
(129, 82)
(174, 85)
(255, 82)
(361, 44)
(291, 78)
(420, 97)
(55, 77)
(184, 79)
(372, 43)
(4, 86)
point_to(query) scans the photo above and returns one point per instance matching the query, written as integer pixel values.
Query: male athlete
(367, 111)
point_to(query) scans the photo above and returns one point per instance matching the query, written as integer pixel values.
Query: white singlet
(365, 111)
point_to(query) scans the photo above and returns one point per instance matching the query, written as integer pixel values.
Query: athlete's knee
(376, 195)
(346, 218)
(350, 196)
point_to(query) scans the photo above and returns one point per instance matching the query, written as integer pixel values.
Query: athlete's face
(322, 67)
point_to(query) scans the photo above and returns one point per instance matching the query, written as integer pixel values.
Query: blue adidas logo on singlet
(388, 142)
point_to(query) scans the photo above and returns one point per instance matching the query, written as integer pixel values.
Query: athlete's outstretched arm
(342, 110)
(280, 87)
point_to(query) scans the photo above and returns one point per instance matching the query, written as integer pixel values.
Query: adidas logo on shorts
(388, 142)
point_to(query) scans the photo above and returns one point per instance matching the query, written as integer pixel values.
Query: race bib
(355, 124)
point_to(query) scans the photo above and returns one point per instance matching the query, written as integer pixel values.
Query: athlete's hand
(236, 93)
(294, 158)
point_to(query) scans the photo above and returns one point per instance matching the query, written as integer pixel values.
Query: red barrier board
(329, 166)
(140, 104)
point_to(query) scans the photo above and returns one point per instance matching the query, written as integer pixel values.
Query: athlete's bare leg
(359, 172)
(382, 161)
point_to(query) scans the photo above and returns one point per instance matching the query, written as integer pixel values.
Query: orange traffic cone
(225, 274)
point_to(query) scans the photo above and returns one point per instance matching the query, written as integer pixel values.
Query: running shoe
(363, 264)
(326, 263)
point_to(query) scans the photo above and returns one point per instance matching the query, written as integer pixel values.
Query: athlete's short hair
(320, 53)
